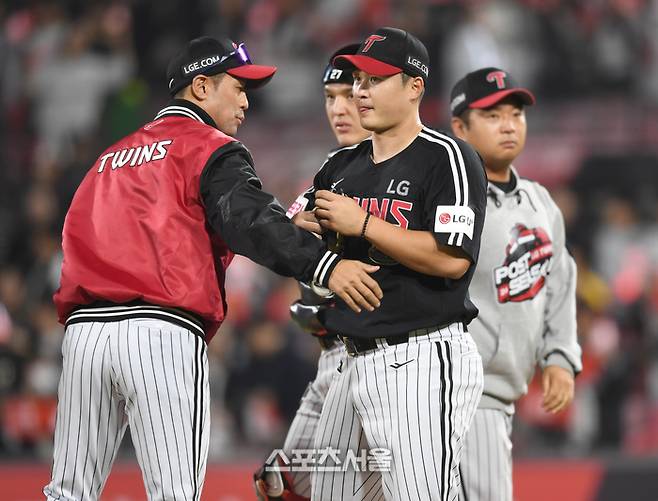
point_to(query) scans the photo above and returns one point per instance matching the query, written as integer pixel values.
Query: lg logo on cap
(418, 64)
(203, 63)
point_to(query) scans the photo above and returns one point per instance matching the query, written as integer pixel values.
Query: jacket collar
(501, 193)
(185, 108)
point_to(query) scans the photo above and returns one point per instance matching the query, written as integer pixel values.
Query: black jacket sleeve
(253, 223)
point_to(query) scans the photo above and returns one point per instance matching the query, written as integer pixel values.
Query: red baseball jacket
(153, 226)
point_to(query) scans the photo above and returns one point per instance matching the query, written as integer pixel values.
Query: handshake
(350, 280)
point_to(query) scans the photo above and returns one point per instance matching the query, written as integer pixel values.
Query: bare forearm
(417, 250)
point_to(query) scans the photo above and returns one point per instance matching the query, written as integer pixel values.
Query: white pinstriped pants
(416, 399)
(146, 373)
(301, 434)
(486, 465)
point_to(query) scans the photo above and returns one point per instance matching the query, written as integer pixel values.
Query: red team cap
(484, 88)
(387, 52)
(208, 56)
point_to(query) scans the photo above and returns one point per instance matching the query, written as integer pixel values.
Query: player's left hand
(558, 387)
(339, 213)
(308, 221)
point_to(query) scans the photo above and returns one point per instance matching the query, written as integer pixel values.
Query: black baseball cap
(485, 87)
(209, 56)
(336, 75)
(389, 51)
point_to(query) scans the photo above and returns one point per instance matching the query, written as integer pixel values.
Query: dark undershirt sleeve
(254, 224)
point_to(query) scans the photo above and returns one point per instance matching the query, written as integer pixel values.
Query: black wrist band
(365, 225)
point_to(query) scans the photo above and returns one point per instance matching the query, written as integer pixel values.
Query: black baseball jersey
(437, 184)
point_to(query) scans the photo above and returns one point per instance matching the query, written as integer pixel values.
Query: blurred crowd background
(77, 75)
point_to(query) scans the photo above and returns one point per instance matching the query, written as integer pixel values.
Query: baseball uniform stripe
(328, 427)
(344, 148)
(462, 169)
(169, 416)
(450, 415)
(195, 426)
(323, 265)
(87, 367)
(175, 113)
(101, 417)
(66, 381)
(355, 414)
(152, 338)
(136, 419)
(203, 419)
(410, 444)
(148, 423)
(395, 437)
(443, 435)
(117, 313)
(331, 154)
(301, 436)
(488, 446)
(92, 414)
(179, 110)
(184, 412)
(435, 438)
(458, 183)
(80, 373)
(460, 158)
(326, 267)
(420, 431)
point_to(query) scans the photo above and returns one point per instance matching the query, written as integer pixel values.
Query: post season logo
(527, 263)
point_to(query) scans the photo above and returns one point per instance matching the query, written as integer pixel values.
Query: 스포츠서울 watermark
(329, 459)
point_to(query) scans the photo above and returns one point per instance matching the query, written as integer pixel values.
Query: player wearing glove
(524, 283)
(308, 311)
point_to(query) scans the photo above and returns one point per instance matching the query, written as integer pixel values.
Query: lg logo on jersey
(454, 219)
(445, 218)
(401, 189)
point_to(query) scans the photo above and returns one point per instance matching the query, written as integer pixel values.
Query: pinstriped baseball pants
(301, 434)
(148, 374)
(486, 464)
(417, 400)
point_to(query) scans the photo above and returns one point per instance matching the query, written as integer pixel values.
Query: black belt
(357, 345)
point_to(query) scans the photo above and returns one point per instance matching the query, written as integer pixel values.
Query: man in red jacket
(146, 241)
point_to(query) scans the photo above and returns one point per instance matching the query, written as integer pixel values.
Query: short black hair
(214, 78)
(406, 77)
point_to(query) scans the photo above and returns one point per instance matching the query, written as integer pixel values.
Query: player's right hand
(351, 281)
(306, 220)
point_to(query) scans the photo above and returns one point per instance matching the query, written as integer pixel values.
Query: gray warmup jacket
(525, 288)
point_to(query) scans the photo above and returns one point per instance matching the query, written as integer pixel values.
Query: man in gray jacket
(524, 284)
